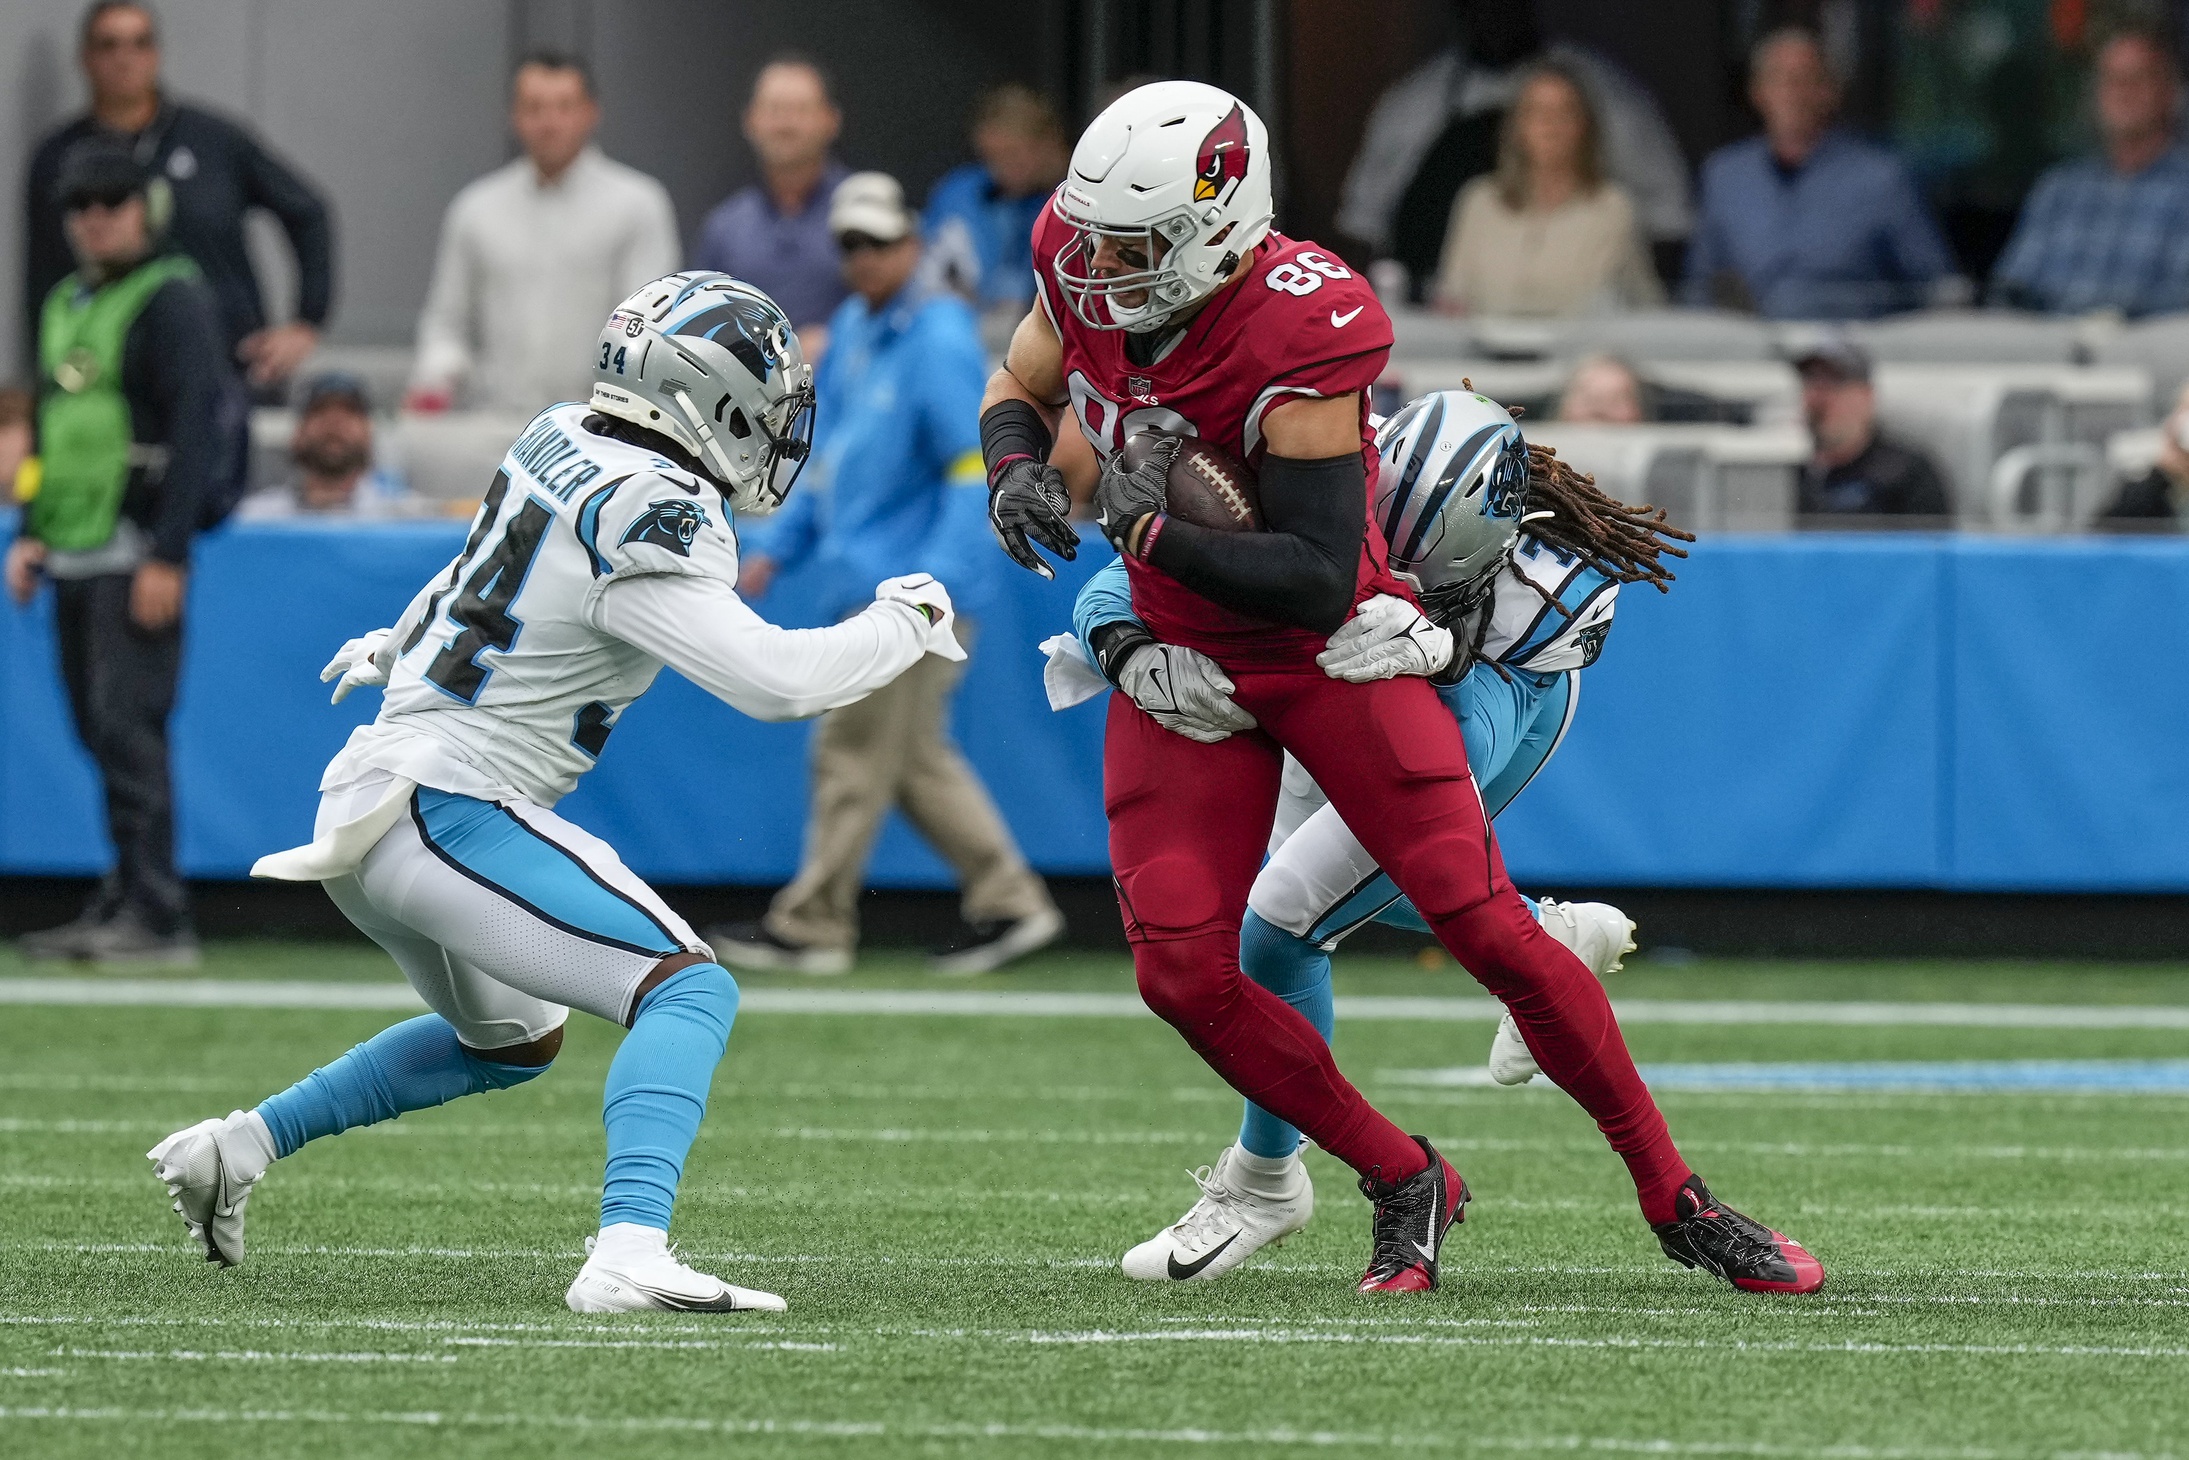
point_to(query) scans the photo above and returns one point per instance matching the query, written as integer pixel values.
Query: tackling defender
(603, 550)
(1165, 300)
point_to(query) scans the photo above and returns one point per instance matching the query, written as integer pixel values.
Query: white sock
(629, 1239)
(1270, 1176)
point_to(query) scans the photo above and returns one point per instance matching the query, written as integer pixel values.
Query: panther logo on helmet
(669, 523)
(1223, 156)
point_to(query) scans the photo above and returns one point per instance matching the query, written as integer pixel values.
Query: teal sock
(414, 1065)
(657, 1091)
(1298, 972)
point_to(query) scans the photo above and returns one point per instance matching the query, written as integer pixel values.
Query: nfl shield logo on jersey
(669, 523)
(1140, 388)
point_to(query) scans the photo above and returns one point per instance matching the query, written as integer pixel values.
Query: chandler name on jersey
(1299, 323)
(505, 682)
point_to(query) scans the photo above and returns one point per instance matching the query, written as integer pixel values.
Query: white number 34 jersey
(506, 680)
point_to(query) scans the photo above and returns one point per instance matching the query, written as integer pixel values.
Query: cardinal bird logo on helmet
(1223, 156)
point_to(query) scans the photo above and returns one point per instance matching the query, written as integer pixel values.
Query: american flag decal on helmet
(1223, 156)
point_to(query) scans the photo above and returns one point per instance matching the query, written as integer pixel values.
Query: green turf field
(942, 1199)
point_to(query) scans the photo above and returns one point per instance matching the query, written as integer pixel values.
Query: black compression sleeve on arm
(1013, 428)
(1302, 571)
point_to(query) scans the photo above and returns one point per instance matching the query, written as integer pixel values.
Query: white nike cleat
(1600, 936)
(1228, 1225)
(209, 1170)
(633, 1269)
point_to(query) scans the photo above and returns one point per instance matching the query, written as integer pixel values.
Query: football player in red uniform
(1165, 301)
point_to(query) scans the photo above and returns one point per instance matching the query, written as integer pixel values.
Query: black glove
(1122, 498)
(1028, 499)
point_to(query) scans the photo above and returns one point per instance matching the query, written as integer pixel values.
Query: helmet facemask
(1097, 299)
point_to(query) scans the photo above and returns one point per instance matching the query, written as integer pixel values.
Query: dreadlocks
(1625, 544)
(1565, 509)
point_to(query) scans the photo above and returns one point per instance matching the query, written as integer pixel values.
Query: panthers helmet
(713, 364)
(1177, 172)
(1450, 496)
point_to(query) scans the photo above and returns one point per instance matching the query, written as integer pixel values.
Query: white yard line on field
(1023, 1004)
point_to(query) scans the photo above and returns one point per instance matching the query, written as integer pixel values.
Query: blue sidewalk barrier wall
(1803, 711)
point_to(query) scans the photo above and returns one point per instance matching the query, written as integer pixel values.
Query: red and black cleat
(1410, 1221)
(1712, 1236)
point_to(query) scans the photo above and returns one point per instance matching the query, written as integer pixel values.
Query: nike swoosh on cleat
(1428, 1254)
(1180, 1271)
(1340, 321)
(677, 1302)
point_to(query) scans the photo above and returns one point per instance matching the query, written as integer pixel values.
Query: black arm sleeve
(1013, 428)
(176, 359)
(1300, 572)
(303, 216)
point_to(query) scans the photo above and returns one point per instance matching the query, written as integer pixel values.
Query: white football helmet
(713, 364)
(1178, 174)
(1450, 496)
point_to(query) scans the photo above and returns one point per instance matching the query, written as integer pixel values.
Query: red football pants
(1188, 827)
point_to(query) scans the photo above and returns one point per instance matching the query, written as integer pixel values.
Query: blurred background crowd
(1761, 261)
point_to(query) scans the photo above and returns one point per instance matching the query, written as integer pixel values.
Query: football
(1208, 486)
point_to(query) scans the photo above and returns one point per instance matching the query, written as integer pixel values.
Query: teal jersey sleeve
(1106, 598)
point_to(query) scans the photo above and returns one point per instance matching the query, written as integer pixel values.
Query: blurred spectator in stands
(774, 233)
(980, 217)
(2111, 230)
(535, 254)
(16, 441)
(1437, 127)
(1856, 471)
(1603, 390)
(332, 451)
(1806, 221)
(2161, 496)
(213, 172)
(135, 424)
(898, 484)
(1546, 233)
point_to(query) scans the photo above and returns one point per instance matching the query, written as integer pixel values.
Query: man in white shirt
(535, 253)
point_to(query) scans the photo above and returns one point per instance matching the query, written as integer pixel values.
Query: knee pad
(1445, 876)
(1184, 981)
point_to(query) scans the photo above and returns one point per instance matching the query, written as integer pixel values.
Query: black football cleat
(1410, 1221)
(1712, 1236)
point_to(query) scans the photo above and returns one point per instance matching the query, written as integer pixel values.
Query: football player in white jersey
(603, 550)
(1517, 605)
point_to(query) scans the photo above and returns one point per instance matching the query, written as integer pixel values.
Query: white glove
(360, 664)
(1184, 691)
(1387, 637)
(925, 593)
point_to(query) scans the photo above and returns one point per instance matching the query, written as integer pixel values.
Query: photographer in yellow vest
(137, 430)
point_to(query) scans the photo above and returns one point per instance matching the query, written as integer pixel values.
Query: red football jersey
(1299, 323)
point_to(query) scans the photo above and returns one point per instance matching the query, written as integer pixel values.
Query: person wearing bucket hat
(136, 423)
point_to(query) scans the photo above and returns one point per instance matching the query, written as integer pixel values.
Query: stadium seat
(1707, 478)
(1968, 417)
(1977, 337)
(2159, 345)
